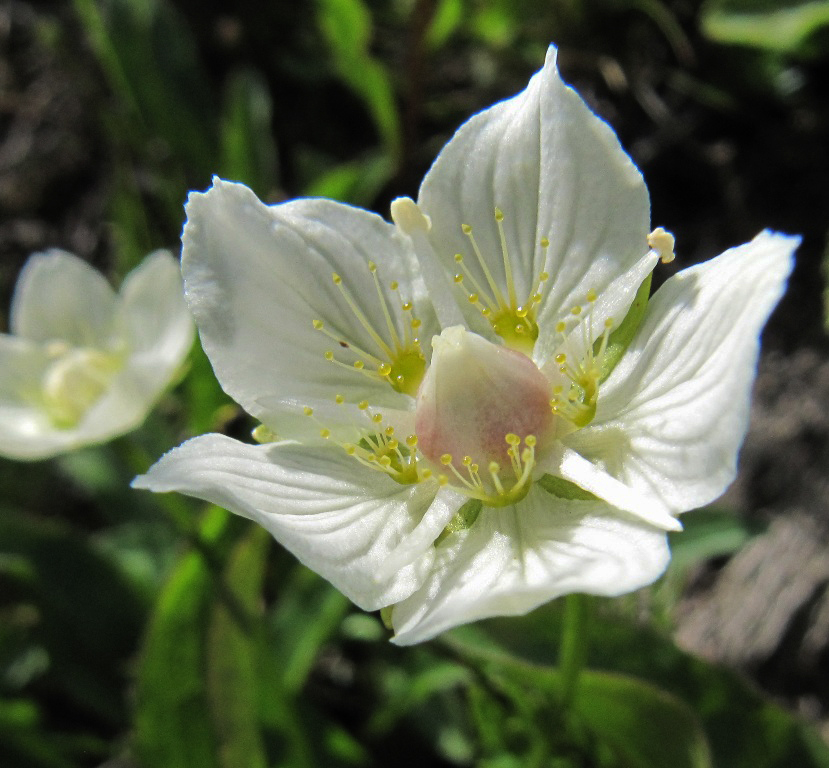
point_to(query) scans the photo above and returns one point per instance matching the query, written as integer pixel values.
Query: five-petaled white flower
(459, 436)
(84, 364)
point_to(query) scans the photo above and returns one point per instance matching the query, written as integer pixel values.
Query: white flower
(452, 443)
(83, 364)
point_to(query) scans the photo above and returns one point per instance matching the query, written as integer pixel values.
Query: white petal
(674, 412)
(256, 278)
(59, 296)
(154, 317)
(340, 519)
(514, 559)
(556, 171)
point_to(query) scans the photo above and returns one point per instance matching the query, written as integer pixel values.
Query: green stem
(573, 654)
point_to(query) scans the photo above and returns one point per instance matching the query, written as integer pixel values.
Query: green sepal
(385, 616)
(564, 489)
(463, 519)
(620, 339)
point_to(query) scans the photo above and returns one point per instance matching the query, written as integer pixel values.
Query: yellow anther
(530, 440)
(544, 276)
(499, 214)
(512, 438)
(443, 480)
(416, 323)
(545, 243)
(494, 467)
(350, 448)
(377, 417)
(575, 310)
(608, 323)
(390, 431)
(458, 278)
(329, 355)
(372, 267)
(411, 441)
(561, 326)
(466, 229)
(473, 298)
(336, 278)
(326, 433)
(384, 369)
(317, 324)
(446, 459)
(406, 306)
(359, 365)
(467, 461)
(591, 296)
(561, 357)
(339, 399)
(362, 405)
(308, 411)
(458, 256)
(394, 285)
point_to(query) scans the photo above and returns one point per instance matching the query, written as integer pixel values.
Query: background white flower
(526, 248)
(83, 364)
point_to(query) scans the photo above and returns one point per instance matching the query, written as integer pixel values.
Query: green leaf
(347, 28)
(232, 680)
(647, 726)
(783, 26)
(708, 533)
(447, 18)
(356, 182)
(173, 726)
(248, 151)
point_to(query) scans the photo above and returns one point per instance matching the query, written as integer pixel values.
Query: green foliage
(782, 27)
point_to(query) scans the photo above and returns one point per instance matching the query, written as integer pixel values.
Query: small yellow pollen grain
(394, 285)
(336, 278)
(308, 411)
(545, 243)
(561, 326)
(416, 322)
(591, 295)
(446, 459)
(317, 324)
(544, 277)
(575, 310)
(608, 323)
(350, 448)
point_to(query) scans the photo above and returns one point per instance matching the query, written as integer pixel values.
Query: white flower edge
(148, 317)
(370, 537)
(516, 558)
(673, 414)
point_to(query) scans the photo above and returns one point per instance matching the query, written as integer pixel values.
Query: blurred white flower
(459, 436)
(83, 364)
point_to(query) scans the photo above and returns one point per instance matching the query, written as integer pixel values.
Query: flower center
(512, 320)
(74, 382)
(482, 412)
(398, 358)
